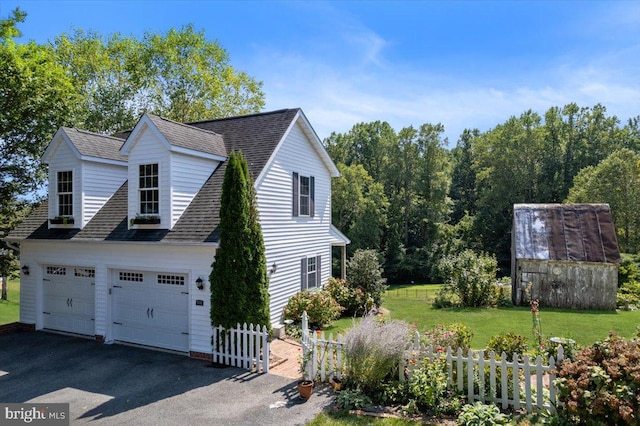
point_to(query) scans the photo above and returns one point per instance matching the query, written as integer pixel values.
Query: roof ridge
(234, 117)
(88, 132)
(184, 124)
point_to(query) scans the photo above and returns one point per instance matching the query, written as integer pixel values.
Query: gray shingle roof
(255, 135)
(190, 137)
(95, 145)
(575, 232)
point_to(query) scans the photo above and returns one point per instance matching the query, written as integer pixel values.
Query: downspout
(11, 246)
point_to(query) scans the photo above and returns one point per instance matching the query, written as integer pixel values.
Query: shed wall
(566, 284)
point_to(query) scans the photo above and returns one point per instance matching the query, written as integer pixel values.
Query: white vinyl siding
(93, 183)
(188, 175)
(64, 160)
(99, 183)
(149, 150)
(288, 238)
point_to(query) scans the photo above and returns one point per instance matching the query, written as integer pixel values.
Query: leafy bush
(628, 295)
(452, 336)
(350, 399)
(364, 271)
(629, 269)
(446, 298)
(480, 414)
(428, 383)
(471, 276)
(501, 293)
(353, 300)
(374, 350)
(320, 306)
(602, 384)
(509, 343)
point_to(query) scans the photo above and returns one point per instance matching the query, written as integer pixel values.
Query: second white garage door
(151, 308)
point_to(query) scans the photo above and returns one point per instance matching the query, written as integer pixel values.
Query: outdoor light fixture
(25, 270)
(274, 268)
(200, 283)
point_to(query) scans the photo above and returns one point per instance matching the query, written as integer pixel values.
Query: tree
(359, 207)
(36, 97)
(239, 287)
(615, 181)
(257, 310)
(463, 177)
(179, 75)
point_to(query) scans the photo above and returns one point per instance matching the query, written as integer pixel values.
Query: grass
(10, 308)
(412, 303)
(341, 418)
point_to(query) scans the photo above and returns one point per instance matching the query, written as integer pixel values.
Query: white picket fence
(524, 382)
(245, 346)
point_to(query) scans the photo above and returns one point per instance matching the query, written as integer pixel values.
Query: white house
(122, 249)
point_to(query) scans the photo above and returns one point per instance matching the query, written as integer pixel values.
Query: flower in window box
(61, 220)
(145, 220)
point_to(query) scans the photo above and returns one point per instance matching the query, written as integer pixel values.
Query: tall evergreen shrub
(239, 285)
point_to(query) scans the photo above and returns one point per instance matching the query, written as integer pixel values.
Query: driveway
(116, 384)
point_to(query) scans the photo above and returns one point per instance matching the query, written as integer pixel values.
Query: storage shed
(564, 255)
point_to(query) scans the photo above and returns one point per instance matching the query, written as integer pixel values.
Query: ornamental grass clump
(374, 349)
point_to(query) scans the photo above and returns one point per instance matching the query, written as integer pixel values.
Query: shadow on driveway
(117, 384)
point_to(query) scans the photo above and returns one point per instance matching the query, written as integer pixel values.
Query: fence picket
(327, 360)
(245, 346)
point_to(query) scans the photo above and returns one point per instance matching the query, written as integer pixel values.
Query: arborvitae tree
(257, 296)
(229, 270)
(239, 286)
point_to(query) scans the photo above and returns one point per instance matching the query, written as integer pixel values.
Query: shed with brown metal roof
(564, 255)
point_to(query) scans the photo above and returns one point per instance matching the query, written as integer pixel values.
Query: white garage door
(69, 299)
(151, 308)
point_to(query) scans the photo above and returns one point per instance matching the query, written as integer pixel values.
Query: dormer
(85, 170)
(168, 164)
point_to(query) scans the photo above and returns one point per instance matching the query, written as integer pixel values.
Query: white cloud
(360, 85)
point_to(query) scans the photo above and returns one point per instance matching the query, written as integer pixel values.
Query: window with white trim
(149, 189)
(84, 272)
(65, 193)
(135, 277)
(310, 272)
(171, 279)
(56, 270)
(303, 195)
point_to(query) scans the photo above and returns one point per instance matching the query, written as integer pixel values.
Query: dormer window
(65, 193)
(303, 195)
(148, 187)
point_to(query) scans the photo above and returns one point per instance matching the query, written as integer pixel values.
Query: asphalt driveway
(115, 384)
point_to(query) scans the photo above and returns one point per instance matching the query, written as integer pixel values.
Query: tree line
(410, 197)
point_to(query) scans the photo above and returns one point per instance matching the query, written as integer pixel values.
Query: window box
(61, 220)
(145, 220)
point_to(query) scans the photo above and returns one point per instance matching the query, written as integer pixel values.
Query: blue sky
(462, 64)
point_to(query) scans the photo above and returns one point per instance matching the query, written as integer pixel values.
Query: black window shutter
(295, 194)
(312, 196)
(318, 271)
(303, 274)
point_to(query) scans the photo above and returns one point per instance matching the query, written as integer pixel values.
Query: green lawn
(413, 304)
(10, 308)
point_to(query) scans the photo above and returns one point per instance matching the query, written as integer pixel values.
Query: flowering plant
(537, 328)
